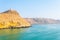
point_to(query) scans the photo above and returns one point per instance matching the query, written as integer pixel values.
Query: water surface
(36, 32)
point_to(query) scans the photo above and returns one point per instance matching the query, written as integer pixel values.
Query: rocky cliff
(11, 18)
(42, 21)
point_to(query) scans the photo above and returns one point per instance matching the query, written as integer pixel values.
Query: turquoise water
(36, 32)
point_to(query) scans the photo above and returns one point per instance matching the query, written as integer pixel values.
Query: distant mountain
(11, 18)
(42, 21)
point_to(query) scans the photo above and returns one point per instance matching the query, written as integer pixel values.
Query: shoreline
(16, 27)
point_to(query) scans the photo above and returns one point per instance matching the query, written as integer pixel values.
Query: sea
(35, 32)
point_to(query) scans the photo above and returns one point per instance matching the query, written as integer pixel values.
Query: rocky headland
(12, 19)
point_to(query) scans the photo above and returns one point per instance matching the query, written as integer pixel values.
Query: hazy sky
(33, 8)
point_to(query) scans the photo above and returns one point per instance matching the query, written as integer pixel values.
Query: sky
(33, 8)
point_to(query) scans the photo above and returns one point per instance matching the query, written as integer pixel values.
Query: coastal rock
(11, 18)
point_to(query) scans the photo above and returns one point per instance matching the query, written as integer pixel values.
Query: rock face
(11, 18)
(42, 21)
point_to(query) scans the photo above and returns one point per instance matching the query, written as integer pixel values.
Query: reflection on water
(36, 32)
(11, 34)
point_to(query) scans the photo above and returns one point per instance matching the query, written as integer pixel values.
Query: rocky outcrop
(42, 21)
(11, 18)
